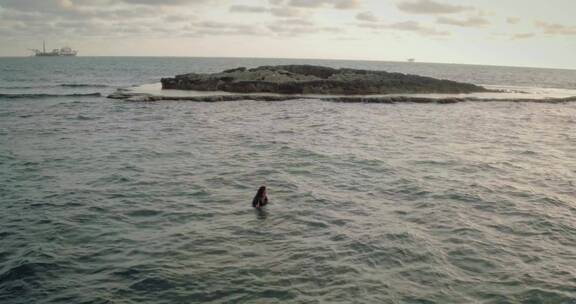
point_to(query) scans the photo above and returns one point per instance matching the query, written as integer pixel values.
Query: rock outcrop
(308, 79)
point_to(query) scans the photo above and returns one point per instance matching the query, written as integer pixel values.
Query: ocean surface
(105, 201)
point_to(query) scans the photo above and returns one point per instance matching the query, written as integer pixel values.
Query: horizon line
(302, 58)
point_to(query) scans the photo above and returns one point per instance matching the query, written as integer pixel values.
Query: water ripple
(106, 202)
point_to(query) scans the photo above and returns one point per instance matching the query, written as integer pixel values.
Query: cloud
(286, 12)
(289, 27)
(337, 4)
(66, 3)
(468, 22)
(35, 5)
(409, 26)
(52, 13)
(416, 27)
(297, 21)
(217, 28)
(248, 9)
(279, 9)
(297, 27)
(512, 20)
(297, 31)
(178, 18)
(556, 28)
(430, 7)
(367, 16)
(26, 5)
(522, 36)
(164, 2)
(141, 18)
(71, 19)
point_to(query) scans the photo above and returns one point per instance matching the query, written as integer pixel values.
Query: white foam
(507, 92)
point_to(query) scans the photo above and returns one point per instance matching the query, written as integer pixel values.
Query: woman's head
(261, 191)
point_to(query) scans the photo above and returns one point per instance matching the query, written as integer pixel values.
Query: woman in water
(261, 199)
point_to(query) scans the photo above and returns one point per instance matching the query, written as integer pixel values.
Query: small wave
(29, 270)
(84, 117)
(21, 87)
(82, 85)
(152, 284)
(37, 96)
(143, 213)
(64, 85)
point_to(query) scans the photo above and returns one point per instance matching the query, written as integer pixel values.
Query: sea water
(105, 201)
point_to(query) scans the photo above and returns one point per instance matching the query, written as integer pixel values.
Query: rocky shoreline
(318, 80)
(142, 97)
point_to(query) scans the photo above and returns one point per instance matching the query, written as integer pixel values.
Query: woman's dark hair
(261, 191)
(260, 198)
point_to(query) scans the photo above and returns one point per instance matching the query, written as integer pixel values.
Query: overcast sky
(500, 32)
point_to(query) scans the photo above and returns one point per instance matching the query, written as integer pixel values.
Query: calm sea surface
(103, 201)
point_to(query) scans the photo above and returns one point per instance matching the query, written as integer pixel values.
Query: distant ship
(62, 52)
(411, 60)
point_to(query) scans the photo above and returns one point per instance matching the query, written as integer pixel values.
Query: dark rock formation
(308, 79)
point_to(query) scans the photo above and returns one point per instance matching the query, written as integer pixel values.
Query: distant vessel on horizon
(411, 60)
(62, 52)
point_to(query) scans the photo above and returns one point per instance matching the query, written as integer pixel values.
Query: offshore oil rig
(62, 52)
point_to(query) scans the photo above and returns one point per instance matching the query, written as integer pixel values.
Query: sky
(536, 33)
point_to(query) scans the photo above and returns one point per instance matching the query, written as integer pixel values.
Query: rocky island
(315, 80)
(298, 82)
